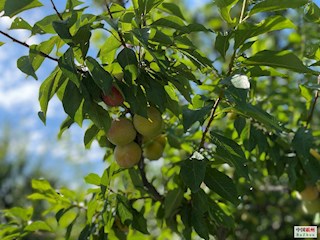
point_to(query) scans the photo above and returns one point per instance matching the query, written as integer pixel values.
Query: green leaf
(92, 209)
(42, 117)
(135, 96)
(127, 57)
(41, 185)
(222, 44)
(93, 178)
(24, 64)
(82, 38)
(45, 47)
(273, 23)
(312, 13)
(172, 202)
(109, 48)
(67, 219)
(191, 116)
(124, 213)
(282, 59)
(128, 61)
(62, 29)
(108, 173)
(38, 226)
(231, 152)
(200, 201)
(1, 43)
(23, 214)
(101, 77)
(275, 5)
(45, 25)
(139, 222)
(20, 23)
(65, 125)
(90, 135)
(270, 122)
(217, 215)
(13, 7)
(199, 224)
(172, 8)
(169, 22)
(302, 142)
(99, 116)
(68, 67)
(221, 184)
(193, 172)
(225, 7)
(150, 4)
(72, 102)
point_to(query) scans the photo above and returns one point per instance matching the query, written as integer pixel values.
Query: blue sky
(19, 106)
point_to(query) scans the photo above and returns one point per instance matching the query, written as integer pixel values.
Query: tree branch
(313, 106)
(155, 195)
(27, 46)
(119, 33)
(56, 10)
(212, 115)
(151, 189)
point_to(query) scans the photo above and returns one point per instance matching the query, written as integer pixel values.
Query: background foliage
(237, 84)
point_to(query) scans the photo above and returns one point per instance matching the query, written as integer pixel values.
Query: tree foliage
(237, 86)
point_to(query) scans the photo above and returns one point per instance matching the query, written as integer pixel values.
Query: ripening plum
(121, 132)
(127, 155)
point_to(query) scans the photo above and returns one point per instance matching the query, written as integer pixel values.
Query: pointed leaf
(101, 77)
(282, 59)
(276, 5)
(93, 178)
(229, 151)
(13, 7)
(221, 184)
(192, 173)
(172, 202)
(68, 67)
(24, 64)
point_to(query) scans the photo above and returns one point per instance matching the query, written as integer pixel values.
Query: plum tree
(151, 126)
(121, 132)
(309, 193)
(114, 99)
(127, 155)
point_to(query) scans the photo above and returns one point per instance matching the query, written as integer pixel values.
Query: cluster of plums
(123, 134)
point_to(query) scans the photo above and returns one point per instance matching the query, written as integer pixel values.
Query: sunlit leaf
(275, 5)
(282, 59)
(13, 7)
(24, 64)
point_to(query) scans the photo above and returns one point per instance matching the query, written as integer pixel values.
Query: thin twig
(242, 11)
(212, 115)
(313, 106)
(56, 10)
(27, 46)
(119, 33)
